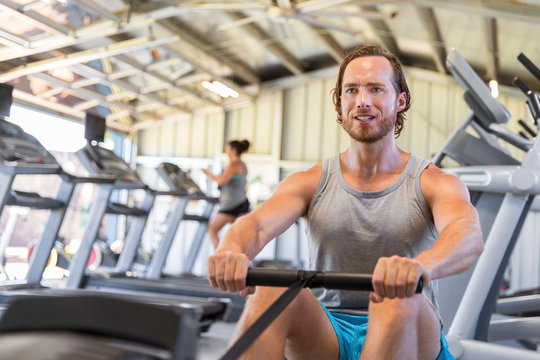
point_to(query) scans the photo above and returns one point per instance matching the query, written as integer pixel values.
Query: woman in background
(232, 183)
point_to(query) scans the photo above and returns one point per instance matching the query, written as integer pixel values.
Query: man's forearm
(242, 236)
(456, 249)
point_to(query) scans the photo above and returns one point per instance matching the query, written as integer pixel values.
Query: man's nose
(363, 98)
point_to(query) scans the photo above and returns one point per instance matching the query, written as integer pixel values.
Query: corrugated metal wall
(199, 135)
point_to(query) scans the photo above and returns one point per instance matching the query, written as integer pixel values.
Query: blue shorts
(351, 332)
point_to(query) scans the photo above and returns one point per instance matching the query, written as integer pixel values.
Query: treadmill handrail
(499, 179)
(14, 167)
(129, 185)
(510, 137)
(99, 179)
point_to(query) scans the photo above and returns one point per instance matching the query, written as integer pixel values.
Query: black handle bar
(328, 280)
(533, 69)
(527, 128)
(533, 102)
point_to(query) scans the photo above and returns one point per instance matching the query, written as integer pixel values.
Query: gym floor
(213, 343)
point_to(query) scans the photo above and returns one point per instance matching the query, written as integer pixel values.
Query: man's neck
(368, 160)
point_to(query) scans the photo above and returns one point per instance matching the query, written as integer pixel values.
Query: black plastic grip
(521, 85)
(328, 280)
(527, 128)
(533, 69)
(534, 103)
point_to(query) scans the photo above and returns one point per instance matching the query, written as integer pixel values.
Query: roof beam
(84, 56)
(145, 72)
(525, 14)
(289, 60)
(333, 47)
(64, 109)
(196, 63)
(427, 16)
(492, 48)
(90, 72)
(33, 18)
(382, 30)
(195, 38)
(89, 95)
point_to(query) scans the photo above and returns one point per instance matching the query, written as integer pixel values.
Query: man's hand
(227, 271)
(397, 277)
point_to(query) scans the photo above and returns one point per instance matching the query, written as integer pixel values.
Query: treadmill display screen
(6, 99)
(94, 128)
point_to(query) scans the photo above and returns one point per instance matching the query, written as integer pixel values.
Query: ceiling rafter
(125, 60)
(492, 47)
(239, 71)
(88, 71)
(331, 44)
(196, 38)
(289, 60)
(84, 56)
(86, 94)
(64, 109)
(30, 16)
(427, 16)
(479, 7)
(382, 30)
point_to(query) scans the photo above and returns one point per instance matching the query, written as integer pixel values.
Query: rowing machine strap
(251, 334)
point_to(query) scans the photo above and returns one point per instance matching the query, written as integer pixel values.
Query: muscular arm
(249, 234)
(459, 243)
(460, 239)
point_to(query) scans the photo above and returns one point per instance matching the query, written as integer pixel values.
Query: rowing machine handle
(328, 280)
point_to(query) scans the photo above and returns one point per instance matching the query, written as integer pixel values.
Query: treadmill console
(178, 179)
(100, 161)
(18, 146)
(477, 95)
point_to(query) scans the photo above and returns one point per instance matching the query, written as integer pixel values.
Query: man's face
(369, 103)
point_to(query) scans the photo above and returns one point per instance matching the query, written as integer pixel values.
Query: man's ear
(401, 101)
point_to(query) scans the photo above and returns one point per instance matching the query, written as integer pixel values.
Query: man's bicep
(451, 203)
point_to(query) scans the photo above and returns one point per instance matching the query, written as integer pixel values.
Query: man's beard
(371, 134)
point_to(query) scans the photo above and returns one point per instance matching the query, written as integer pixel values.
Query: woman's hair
(400, 85)
(241, 146)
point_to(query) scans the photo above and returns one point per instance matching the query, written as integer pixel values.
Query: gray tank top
(233, 193)
(348, 230)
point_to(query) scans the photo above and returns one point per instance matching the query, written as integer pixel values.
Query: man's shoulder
(433, 180)
(310, 174)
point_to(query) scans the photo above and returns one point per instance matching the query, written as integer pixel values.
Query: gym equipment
(295, 280)
(101, 161)
(21, 153)
(178, 180)
(471, 326)
(104, 327)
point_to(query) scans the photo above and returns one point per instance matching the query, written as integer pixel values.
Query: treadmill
(95, 327)
(99, 161)
(21, 153)
(503, 203)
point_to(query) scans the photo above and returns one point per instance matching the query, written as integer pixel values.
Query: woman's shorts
(241, 209)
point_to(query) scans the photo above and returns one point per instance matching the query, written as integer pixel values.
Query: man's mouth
(364, 117)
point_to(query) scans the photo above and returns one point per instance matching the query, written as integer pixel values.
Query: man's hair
(400, 85)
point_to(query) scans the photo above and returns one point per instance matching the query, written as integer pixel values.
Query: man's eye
(377, 90)
(350, 91)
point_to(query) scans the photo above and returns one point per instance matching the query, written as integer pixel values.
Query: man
(373, 208)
